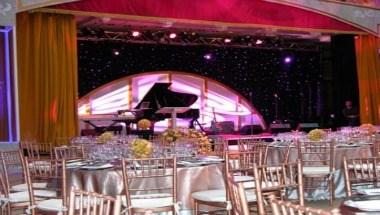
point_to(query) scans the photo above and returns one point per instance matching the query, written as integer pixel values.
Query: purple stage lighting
(287, 60)
(207, 56)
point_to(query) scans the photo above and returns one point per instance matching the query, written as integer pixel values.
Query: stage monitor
(279, 127)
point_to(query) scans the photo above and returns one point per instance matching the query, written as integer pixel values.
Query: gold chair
(154, 197)
(69, 152)
(82, 202)
(361, 173)
(239, 166)
(38, 150)
(317, 159)
(53, 198)
(280, 207)
(238, 197)
(254, 145)
(375, 145)
(280, 180)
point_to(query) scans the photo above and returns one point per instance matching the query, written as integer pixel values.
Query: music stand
(173, 111)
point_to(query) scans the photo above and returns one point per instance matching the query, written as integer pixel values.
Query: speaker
(307, 126)
(224, 127)
(251, 129)
(280, 127)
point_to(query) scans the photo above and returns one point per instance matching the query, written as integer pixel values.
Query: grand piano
(157, 98)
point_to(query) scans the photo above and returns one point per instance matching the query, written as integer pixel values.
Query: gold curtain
(368, 68)
(47, 76)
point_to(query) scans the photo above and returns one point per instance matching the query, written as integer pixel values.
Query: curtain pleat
(47, 76)
(368, 67)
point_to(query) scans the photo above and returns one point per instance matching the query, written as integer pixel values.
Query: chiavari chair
(53, 198)
(361, 173)
(12, 167)
(280, 180)
(238, 197)
(219, 146)
(83, 202)
(239, 166)
(11, 200)
(317, 159)
(37, 150)
(153, 197)
(280, 207)
(254, 145)
(69, 152)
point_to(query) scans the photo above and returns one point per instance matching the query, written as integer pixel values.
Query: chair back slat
(316, 153)
(69, 152)
(238, 197)
(83, 202)
(12, 168)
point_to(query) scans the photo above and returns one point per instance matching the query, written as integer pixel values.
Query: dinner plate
(99, 166)
(370, 205)
(190, 163)
(369, 191)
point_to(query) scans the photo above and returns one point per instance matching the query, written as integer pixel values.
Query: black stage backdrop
(258, 74)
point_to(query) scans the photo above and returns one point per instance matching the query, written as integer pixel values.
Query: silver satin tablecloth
(276, 155)
(189, 180)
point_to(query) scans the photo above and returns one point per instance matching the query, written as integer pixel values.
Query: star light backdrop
(292, 78)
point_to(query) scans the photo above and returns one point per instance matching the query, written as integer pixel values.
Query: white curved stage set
(215, 100)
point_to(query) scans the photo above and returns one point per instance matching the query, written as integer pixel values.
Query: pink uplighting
(207, 56)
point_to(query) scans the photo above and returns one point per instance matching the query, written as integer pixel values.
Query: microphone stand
(276, 120)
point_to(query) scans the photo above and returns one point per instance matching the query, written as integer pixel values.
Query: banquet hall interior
(189, 107)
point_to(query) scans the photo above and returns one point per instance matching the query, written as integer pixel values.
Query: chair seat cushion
(360, 166)
(24, 187)
(316, 170)
(23, 196)
(218, 196)
(51, 205)
(147, 201)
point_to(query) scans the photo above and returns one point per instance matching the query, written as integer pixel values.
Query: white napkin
(369, 191)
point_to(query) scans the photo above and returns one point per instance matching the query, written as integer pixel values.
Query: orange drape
(368, 68)
(47, 76)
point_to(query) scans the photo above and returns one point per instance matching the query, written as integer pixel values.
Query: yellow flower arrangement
(141, 148)
(316, 134)
(144, 124)
(368, 128)
(105, 137)
(171, 135)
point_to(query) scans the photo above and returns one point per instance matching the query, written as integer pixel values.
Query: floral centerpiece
(172, 134)
(105, 137)
(144, 124)
(316, 134)
(368, 128)
(200, 139)
(141, 148)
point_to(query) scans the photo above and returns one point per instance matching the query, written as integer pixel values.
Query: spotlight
(172, 35)
(288, 60)
(258, 42)
(136, 33)
(227, 40)
(116, 52)
(207, 56)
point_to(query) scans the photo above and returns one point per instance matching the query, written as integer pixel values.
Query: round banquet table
(189, 180)
(276, 155)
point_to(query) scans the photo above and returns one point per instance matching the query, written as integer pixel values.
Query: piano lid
(160, 96)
